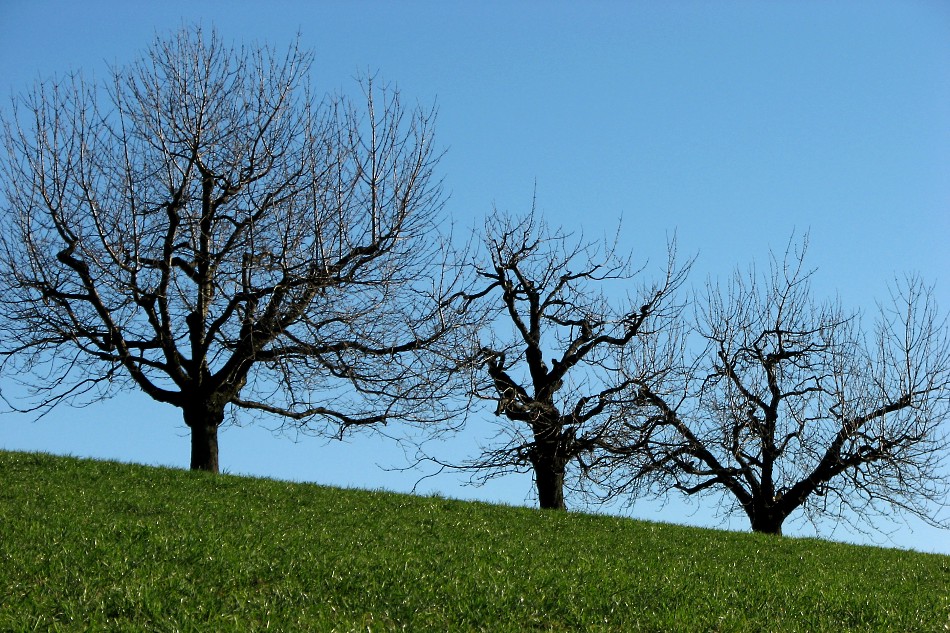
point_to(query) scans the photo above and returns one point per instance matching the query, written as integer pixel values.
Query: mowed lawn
(90, 545)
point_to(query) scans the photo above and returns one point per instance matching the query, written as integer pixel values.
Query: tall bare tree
(201, 228)
(565, 317)
(795, 405)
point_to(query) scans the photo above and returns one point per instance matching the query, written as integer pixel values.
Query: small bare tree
(201, 228)
(794, 405)
(564, 319)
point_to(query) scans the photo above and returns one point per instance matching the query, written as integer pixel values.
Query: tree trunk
(549, 464)
(204, 422)
(204, 447)
(550, 483)
(767, 522)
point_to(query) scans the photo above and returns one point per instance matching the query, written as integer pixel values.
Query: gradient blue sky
(731, 123)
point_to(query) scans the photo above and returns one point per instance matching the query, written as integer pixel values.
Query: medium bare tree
(564, 319)
(795, 405)
(201, 228)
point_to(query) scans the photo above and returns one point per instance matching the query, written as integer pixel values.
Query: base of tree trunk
(550, 485)
(769, 525)
(204, 447)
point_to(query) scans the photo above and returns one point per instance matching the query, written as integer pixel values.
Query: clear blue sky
(731, 123)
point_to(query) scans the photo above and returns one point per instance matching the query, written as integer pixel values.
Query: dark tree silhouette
(794, 405)
(201, 228)
(557, 338)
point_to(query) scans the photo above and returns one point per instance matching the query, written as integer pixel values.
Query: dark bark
(204, 423)
(549, 467)
(549, 480)
(766, 521)
(549, 461)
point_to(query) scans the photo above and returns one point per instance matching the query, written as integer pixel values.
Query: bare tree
(562, 325)
(201, 228)
(794, 405)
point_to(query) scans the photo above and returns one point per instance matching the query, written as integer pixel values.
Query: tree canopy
(793, 403)
(202, 228)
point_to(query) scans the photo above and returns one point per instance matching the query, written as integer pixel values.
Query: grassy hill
(89, 545)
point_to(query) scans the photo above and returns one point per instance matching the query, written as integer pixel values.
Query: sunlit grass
(88, 545)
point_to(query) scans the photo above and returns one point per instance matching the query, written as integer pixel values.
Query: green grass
(89, 545)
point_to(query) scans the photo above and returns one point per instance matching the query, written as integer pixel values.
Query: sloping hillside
(89, 545)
